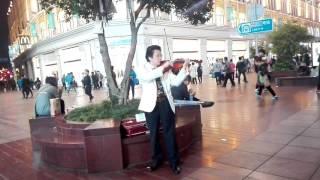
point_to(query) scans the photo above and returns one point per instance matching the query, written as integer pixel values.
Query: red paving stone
(237, 118)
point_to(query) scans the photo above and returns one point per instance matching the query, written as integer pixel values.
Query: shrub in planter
(105, 110)
(283, 65)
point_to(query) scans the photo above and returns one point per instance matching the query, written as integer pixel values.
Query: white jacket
(147, 76)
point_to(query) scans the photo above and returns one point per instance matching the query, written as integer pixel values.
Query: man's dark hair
(150, 51)
(52, 81)
(188, 78)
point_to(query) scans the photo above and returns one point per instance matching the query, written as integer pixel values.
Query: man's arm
(176, 80)
(146, 76)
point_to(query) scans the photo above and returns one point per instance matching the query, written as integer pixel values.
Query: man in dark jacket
(228, 73)
(241, 69)
(26, 90)
(181, 92)
(87, 84)
(199, 71)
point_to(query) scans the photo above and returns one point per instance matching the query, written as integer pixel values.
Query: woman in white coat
(157, 103)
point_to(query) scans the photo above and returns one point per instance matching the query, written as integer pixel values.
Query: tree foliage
(286, 40)
(286, 44)
(193, 11)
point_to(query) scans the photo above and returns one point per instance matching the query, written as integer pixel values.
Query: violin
(175, 67)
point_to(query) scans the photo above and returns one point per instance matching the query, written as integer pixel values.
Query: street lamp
(318, 86)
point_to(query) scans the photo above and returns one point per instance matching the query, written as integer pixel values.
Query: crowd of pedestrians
(224, 70)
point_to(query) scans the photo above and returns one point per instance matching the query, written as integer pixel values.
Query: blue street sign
(260, 26)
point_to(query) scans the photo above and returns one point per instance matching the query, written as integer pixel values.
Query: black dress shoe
(154, 166)
(206, 104)
(176, 170)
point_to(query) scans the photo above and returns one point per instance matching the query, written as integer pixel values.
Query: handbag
(136, 81)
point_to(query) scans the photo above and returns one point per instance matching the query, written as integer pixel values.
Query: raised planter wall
(297, 81)
(98, 147)
(277, 74)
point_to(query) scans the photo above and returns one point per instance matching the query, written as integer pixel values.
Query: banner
(33, 30)
(51, 23)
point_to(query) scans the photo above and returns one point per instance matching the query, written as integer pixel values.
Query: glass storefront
(186, 48)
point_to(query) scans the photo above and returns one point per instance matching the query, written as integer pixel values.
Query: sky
(3, 28)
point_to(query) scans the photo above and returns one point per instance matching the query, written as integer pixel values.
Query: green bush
(284, 65)
(105, 110)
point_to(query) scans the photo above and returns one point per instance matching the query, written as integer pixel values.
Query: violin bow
(165, 35)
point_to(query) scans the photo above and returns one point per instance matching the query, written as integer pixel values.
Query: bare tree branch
(137, 12)
(131, 12)
(144, 18)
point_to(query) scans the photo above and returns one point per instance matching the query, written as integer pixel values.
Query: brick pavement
(242, 138)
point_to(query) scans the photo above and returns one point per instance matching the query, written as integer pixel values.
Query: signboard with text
(253, 27)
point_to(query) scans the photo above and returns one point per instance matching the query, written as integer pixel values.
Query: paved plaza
(243, 138)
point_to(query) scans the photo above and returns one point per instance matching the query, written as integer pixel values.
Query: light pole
(318, 86)
(255, 18)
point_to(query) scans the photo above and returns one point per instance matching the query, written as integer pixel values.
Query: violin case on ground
(130, 127)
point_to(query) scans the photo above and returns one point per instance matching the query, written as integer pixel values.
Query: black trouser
(100, 84)
(194, 80)
(87, 90)
(26, 91)
(232, 75)
(131, 86)
(244, 76)
(228, 76)
(261, 87)
(163, 113)
(200, 79)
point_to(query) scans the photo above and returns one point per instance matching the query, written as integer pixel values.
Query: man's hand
(166, 66)
(191, 92)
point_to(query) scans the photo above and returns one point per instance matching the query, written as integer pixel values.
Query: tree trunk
(125, 81)
(113, 90)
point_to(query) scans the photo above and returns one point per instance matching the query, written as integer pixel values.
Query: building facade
(44, 43)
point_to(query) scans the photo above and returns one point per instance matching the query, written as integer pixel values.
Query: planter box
(277, 74)
(99, 147)
(297, 81)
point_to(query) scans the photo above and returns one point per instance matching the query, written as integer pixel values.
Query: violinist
(157, 102)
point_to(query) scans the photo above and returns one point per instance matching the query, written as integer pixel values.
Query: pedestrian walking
(199, 71)
(217, 70)
(133, 81)
(264, 82)
(26, 90)
(100, 79)
(228, 73)
(63, 81)
(193, 73)
(233, 69)
(87, 85)
(38, 84)
(95, 80)
(241, 70)
(69, 81)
